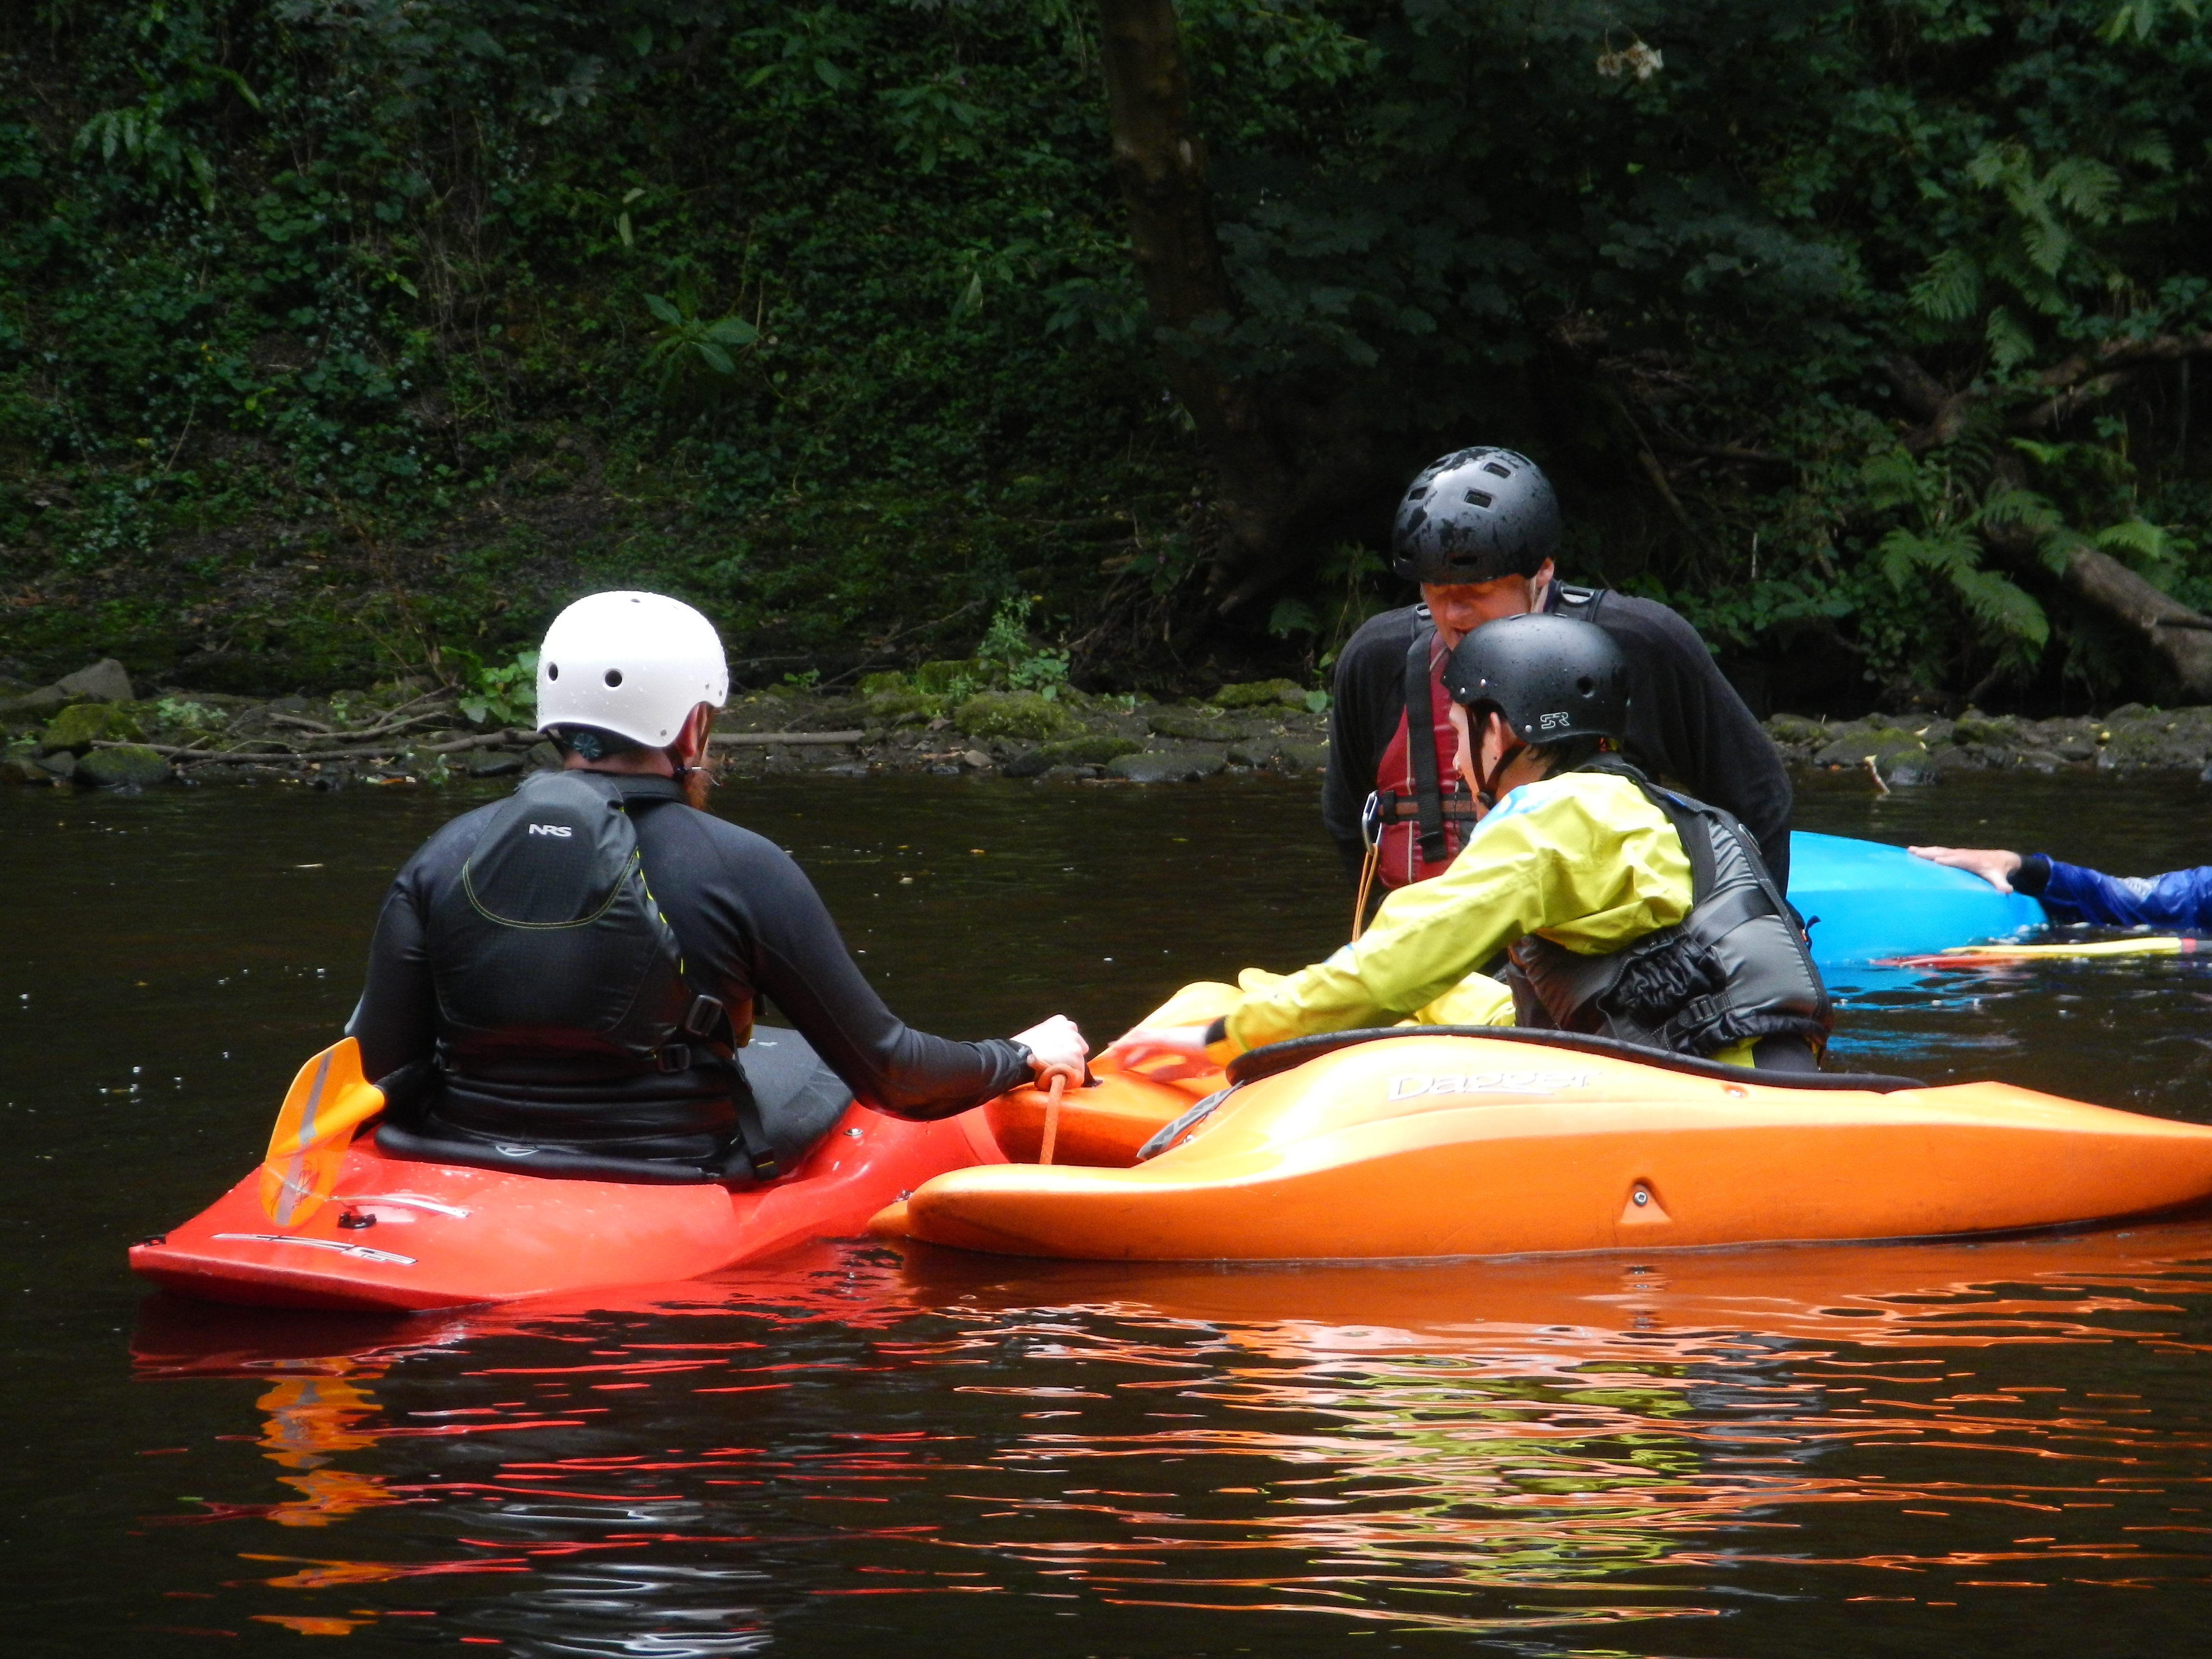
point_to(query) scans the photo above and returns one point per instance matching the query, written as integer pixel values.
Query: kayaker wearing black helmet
(564, 983)
(1477, 530)
(1627, 910)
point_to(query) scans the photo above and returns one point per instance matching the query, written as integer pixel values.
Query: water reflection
(1489, 1449)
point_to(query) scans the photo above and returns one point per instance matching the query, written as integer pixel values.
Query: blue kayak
(1865, 903)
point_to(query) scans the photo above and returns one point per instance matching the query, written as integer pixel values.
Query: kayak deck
(1427, 1146)
(400, 1235)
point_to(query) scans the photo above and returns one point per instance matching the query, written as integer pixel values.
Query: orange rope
(1054, 1090)
(1366, 885)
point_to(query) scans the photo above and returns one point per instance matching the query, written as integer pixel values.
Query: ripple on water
(1530, 1447)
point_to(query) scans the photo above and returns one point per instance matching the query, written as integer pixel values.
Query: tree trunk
(2180, 640)
(1159, 163)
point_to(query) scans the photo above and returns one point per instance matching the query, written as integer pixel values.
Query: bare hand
(1143, 1042)
(1055, 1045)
(1993, 864)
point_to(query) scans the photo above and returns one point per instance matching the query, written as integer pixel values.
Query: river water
(1997, 1448)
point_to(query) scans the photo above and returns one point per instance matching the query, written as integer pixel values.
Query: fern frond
(2021, 509)
(2082, 187)
(2004, 608)
(1892, 480)
(2010, 345)
(1950, 287)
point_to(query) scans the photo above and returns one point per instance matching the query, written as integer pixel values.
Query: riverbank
(97, 729)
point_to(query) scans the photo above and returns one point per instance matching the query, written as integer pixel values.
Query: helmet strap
(1486, 778)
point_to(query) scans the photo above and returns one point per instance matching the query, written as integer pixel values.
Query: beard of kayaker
(564, 983)
(1624, 910)
(1478, 532)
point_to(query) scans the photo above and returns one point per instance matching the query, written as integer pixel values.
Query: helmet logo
(1544, 722)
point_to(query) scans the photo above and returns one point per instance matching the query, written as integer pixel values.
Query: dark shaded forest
(346, 338)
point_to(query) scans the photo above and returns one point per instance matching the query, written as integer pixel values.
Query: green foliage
(1028, 666)
(1673, 234)
(686, 343)
(357, 329)
(504, 694)
(337, 336)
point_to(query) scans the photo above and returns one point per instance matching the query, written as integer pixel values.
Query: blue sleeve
(2180, 898)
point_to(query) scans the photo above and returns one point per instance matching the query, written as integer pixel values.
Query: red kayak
(400, 1235)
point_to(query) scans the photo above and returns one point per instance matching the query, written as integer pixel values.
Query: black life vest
(568, 1040)
(1737, 966)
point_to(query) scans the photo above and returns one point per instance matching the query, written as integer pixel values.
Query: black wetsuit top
(750, 925)
(1686, 725)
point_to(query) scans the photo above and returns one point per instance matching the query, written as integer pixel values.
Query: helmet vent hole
(1479, 498)
(1497, 470)
(1585, 684)
(614, 676)
(552, 670)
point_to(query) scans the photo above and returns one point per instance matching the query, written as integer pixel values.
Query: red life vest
(1394, 811)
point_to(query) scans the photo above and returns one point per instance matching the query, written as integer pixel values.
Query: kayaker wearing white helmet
(564, 982)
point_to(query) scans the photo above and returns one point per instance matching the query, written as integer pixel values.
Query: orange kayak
(1437, 1143)
(400, 1235)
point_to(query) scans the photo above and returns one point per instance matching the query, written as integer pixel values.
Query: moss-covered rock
(904, 706)
(79, 727)
(131, 766)
(1974, 726)
(877, 685)
(1261, 694)
(1888, 745)
(1194, 725)
(1180, 764)
(1094, 749)
(1013, 715)
(955, 676)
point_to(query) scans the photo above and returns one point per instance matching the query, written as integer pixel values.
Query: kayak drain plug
(353, 1220)
(1642, 1199)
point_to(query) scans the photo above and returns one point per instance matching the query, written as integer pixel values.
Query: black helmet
(1551, 677)
(1474, 516)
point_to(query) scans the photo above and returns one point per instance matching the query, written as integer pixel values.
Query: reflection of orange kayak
(400, 1235)
(1563, 1310)
(1410, 1144)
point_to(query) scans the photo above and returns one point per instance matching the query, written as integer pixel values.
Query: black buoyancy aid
(565, 1022)
(1737, 966)
(1419, 816)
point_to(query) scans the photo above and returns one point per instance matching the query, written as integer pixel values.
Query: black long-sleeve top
(750, 924)
(1686, 725)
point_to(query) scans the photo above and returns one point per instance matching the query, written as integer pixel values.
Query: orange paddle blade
(326, 1102)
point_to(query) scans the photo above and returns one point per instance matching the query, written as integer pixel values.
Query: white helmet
(632, 664)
